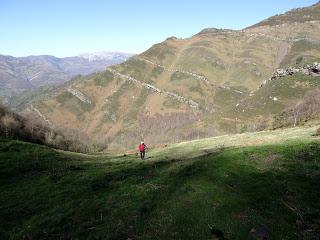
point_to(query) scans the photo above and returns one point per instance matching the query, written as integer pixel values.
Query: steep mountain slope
(27, 73)
(188, 88)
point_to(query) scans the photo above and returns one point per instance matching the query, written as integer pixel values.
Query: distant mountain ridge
(98, 56)
(26, 73)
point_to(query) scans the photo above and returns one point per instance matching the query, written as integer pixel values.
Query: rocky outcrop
(79, 95)
(172, 95)
(32, 108)
(309, 69)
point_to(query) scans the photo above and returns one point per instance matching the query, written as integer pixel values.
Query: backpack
(142, 147)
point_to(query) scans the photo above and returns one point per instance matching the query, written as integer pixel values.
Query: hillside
(18, 74)
(245, 186)
(209, 84)
(36, 130)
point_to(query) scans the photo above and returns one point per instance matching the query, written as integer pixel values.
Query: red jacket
(142, 147)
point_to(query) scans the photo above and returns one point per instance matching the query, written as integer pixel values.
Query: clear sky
(68, 27)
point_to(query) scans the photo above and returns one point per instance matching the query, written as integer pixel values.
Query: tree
(9, 125)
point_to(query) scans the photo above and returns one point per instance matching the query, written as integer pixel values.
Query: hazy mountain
(26, 73)
(215, 82)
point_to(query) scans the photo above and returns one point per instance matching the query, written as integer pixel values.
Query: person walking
(142, 149)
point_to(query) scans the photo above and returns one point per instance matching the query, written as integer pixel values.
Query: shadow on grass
(226, 191)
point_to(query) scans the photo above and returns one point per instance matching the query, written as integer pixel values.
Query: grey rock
(259, 233)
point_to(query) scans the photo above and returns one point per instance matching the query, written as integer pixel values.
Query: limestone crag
(79, 95)
(41, 115)
(172, 95)
(309, 69)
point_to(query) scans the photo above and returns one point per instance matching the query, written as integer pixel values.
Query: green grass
(196, 88)
(135, 68)
(137, 104)
(286, 90)
(103, 79)
(300, 53)
(113, 104)
(179, 76)
(233, 183)
(63, 97)
(228, 97)
(24, 99)
(160, 52)
(75, 105)
(295, 15)
(156, 72)
(200, 59)
(170, 103)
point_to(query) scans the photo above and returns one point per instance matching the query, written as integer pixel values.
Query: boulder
(259, 233)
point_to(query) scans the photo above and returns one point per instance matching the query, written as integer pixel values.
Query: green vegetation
(14, 126)
(113, 104)
(79, 108)
(22, 100)
(196, 88)
(179, 193)
(133, 67)
(226, 97)
(136, 107)
(178, 76)
(201, 59)
(63, 97)
(296, 15)
(156, 71)
(299, 60)
(170, 103)
(302, 52)
(286, 90)
(160, 51)
(74, 105)
(102, 79)
(202, 44)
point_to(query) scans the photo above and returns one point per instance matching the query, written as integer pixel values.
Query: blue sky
(68, 27)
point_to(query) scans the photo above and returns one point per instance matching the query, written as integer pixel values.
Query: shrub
(9, 125)
(299, 60)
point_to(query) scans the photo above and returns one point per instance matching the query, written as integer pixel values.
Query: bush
(318, 132)
(9, 125)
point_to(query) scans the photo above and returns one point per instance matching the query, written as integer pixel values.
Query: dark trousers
(142, 153)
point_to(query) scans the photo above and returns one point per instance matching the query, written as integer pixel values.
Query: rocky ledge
(309, 69)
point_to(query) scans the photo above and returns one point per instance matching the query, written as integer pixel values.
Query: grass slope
(231, 183)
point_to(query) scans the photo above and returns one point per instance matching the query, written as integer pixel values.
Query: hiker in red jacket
(142, 149)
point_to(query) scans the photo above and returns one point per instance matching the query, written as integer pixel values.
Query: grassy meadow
(228, 187)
